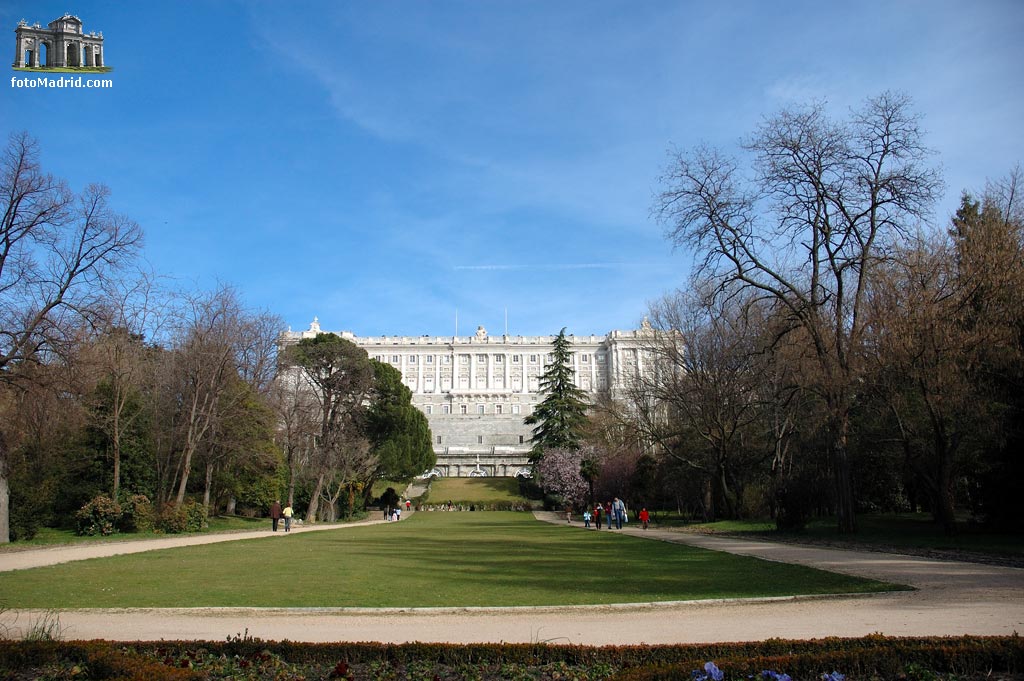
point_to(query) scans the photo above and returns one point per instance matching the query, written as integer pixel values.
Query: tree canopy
(398, 431)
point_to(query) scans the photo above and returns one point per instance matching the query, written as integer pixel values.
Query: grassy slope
(475, 491)
(431, 559)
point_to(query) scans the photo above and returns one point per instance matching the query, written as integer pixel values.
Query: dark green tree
(340, 376)
(560, 417)
(398, 432)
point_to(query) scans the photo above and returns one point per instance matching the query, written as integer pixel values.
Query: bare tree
(133, 310)
(297, 413)
(56, 252)
(708, 384)
(825, 204)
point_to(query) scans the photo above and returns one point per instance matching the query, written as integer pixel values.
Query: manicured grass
(475, 491)
(430, 559)
(911, 530)
(51, 536)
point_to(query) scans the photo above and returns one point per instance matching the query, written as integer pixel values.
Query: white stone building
(476, 390)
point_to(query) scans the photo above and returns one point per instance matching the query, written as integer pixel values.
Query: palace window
(521, 438)
(479, 439)
(412, 359)
(438, 439)
(584, 358)
(429, 359)
(497, 409)
(446, 409)
(395, 359)
(533, 359)
(499, 359)
(480, 409)
(463, 409)
(515, 359)
(445, 359)
(515, 408)
(430, 409)
(464, 359)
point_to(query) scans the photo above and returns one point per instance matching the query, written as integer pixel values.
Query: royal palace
(476, 390)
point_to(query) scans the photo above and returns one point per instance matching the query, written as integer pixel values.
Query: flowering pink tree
(559, 474)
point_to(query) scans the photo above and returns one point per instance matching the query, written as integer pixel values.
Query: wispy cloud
(552, 267)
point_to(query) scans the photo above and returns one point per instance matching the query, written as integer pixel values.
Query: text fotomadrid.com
(70, 82)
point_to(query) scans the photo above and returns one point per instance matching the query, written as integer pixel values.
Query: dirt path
(951, 598)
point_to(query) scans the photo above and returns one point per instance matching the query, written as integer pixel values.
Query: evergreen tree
(559, 418)
(398, 431)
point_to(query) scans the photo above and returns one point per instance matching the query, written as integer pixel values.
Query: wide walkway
(950, 598)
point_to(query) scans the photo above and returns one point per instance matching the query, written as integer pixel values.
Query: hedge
(247, 658)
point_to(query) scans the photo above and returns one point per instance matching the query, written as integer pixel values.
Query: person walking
(597, 515)
(619, 509)
(645, 518)
(275, 513)
(586, 517)
(608, 514)
(287, 514)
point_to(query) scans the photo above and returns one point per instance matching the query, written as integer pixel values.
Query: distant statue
(481, 332)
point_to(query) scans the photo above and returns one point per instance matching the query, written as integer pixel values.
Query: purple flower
(834, 676)
(716, 674)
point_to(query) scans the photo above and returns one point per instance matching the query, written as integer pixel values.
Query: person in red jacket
(645, 518)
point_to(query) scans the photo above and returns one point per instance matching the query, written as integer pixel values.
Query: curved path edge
(950, 599)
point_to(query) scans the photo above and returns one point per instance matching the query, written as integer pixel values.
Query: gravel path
(950, 598)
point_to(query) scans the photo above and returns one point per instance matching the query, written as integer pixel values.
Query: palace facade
(476, 390)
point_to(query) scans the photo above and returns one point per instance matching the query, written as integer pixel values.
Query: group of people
(613, 513)
(277, 513)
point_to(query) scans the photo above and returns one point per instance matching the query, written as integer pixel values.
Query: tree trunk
(842, 471)
(232, 502)
(186, 468)
(209, 485)
(116, 446)
(5, 498)
(945, 497)
(709, 501)
(314, 499)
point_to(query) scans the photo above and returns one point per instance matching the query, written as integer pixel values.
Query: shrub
(137, 514)
(100, 516)
(195, 517)
(171, 519)
(390, 498)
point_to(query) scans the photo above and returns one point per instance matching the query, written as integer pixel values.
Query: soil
(949, 598)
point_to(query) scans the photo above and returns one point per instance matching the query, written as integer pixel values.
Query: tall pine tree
(559, 418)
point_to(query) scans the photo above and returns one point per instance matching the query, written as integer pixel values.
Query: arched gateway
(62, 44)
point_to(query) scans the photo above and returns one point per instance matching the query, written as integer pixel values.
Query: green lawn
(430, 559)
(475, 491)
(912, 530)
(51, 536)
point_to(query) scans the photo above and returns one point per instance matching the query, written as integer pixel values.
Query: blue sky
(385, 164)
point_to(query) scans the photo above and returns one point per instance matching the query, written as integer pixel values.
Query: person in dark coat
(275, 513)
